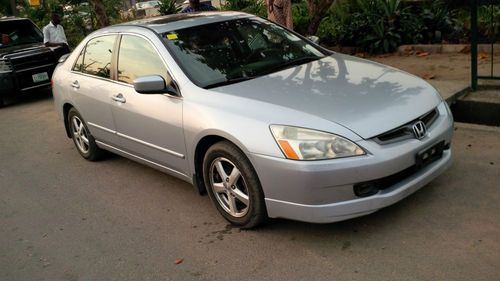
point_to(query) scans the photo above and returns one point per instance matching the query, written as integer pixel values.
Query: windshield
(19, 32)
(231, 51)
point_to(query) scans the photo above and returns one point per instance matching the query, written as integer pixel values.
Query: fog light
(365, 189)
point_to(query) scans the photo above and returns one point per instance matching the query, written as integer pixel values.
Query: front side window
(136, 58)
(230, 51)
(96, 58)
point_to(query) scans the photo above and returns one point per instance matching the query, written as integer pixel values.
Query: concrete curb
(452, 98)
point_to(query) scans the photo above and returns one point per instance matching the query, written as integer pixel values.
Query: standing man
(53, 33)
(280, 11)
(196, 6)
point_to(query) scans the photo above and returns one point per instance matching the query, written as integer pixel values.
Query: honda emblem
(419, 130)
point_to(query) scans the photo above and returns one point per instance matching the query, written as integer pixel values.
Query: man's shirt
(201, 8)
(54, 34)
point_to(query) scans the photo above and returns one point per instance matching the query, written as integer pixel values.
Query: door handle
(119, 98)
(75, 84)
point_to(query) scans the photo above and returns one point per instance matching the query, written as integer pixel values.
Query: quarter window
(95, 59)
(79, 62)
(137, 58)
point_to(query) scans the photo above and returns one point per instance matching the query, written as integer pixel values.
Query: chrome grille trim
(405, 131)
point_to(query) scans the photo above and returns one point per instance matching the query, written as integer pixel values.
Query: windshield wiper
(293, 62)
(229, 81)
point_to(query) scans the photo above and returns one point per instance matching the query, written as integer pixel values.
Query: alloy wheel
(80, 134)
(229, 187)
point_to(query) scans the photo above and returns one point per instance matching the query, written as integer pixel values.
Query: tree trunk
(13, 7)
(317, 11)
(100, 13)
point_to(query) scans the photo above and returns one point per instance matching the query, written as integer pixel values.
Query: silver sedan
(266, 122)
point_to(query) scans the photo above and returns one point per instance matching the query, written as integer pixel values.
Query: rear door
(149, 125)
(92, 87)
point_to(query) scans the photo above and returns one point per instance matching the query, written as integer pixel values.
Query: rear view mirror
(153, 84)
(314, 39)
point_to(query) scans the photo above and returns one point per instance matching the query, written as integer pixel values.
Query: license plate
(39, 77)
(429, 155)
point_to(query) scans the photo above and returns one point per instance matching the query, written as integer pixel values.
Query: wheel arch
(202, 145)
(66, 108)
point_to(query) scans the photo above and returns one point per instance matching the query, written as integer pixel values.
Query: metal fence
(492, 6)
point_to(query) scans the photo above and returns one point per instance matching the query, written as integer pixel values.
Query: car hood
(366, 97)
(34, 47)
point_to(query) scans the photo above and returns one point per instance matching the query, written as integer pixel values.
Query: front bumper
(323, 191)
(358, 207)
(16, 82)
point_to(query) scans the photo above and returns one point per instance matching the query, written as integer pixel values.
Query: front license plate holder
(40, 77)
(429, 155)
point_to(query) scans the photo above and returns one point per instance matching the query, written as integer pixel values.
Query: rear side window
(96, 58)
(137, 57)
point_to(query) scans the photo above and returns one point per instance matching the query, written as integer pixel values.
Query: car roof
(12, 18)
(167, 23)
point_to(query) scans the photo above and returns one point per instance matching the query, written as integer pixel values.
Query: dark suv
(25, 63)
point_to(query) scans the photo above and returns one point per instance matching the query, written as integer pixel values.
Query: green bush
(489, 23)
(300, 15)
(256, 7)
(169, 7)
(77, 22)
(380, 26)
(390, 24)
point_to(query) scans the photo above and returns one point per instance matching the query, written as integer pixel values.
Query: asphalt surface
(64, 218)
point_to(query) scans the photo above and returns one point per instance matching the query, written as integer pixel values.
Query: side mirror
(154, 84)
(314, 39)
(63, 58)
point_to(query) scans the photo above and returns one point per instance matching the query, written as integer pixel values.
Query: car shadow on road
(401, 216)
(28, 98)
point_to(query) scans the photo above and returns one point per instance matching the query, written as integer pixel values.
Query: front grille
(5, 66)
(30, 62)
(406, 132)
(20, 64)
(25, 78)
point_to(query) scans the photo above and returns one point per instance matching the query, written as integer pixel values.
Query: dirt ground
(445, 66)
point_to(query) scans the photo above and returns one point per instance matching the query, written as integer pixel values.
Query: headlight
(5, 66)
(306, 144)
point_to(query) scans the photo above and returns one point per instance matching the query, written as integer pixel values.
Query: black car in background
(25, 63)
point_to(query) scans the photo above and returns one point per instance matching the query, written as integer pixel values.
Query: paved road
(63, 218)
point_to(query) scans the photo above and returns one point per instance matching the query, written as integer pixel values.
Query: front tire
(84, 141)
(233, 186)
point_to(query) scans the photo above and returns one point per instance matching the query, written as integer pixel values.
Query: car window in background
(19, 32)
(231, 51)
(137, 57)
(95, 59)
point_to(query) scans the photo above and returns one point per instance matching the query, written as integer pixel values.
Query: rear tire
(233, 185)
(84, 141)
